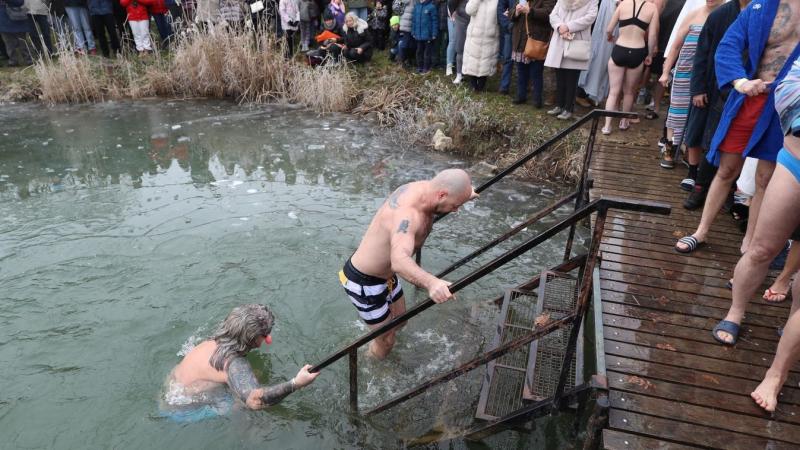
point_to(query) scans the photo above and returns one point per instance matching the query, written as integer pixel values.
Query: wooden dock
(671, 385)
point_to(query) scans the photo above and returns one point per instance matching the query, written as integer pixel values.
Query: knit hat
(395, 20)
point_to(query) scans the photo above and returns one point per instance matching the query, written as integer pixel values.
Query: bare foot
(766, 394)
(777, 292)
(683, 247)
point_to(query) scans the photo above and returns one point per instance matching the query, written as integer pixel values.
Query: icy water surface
(127, 231)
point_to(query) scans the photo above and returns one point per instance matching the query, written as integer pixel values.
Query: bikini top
(635, 20)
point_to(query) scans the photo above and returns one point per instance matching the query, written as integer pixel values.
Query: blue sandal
(728, 327)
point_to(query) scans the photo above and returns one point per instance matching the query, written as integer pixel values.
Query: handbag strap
(527, 33)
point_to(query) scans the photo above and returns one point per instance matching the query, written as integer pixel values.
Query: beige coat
(578, 16)
(483, 39)
(37, 7)
(207, 11)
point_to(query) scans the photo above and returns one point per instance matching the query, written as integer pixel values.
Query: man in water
(221, 360)
(397, 231)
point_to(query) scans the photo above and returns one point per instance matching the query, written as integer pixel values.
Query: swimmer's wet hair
(239, 332)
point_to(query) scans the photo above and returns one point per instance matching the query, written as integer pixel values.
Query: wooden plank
(686, 361)
(739, 402)
(709, 251)
(790, 395)
(690, 433)
(705, 416)
(715, 350)
(669, 232)
(687, 333)
(705, 324)
(617, 440)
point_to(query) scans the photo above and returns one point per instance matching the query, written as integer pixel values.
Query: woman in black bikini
(635, 45)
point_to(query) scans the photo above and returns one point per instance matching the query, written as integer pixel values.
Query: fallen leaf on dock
(666, 347)
(678, 234)
(632, 379)
(663, 301)
(542, 320)
(710, 379)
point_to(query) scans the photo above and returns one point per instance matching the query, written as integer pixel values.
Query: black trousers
(478, 83)
(566, 88)
(101, 25)
(425, 54)
(42, 33)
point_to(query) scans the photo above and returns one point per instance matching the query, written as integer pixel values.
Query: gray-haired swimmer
(220, 360)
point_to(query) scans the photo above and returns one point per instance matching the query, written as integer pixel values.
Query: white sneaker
(555, 111)
(458, 79)
(449, 70)
(565, 115)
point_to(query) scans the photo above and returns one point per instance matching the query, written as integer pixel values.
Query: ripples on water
(127, 231)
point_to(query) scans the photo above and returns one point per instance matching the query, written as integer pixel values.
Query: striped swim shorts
(370, 295)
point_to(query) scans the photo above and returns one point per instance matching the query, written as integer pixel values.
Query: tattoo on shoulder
(241, 378)
(403, 228)
(394, 199)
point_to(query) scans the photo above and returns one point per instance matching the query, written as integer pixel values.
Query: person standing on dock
(397, 231)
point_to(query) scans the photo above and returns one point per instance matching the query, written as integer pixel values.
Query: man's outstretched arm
(404, 228)
(243, 382)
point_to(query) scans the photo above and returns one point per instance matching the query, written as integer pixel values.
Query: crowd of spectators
(734, 118)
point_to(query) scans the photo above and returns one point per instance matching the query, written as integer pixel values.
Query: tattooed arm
(405, 225)
(243, 382)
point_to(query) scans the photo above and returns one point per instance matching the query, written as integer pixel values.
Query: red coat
(136, 9)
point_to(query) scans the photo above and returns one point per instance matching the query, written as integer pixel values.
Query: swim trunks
(792, 164)
(743, 124)
(370, 295)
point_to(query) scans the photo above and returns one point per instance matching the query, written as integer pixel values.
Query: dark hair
(239, 332)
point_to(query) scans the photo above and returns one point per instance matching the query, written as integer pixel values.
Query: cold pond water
(129, 230)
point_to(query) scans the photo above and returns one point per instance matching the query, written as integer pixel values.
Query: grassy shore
(485, 126)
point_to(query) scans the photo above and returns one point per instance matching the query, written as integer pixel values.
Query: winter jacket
(309, 10)
(38, 7)
(12, 26)
(136, 9)
(404, 9)
(538, 24)
(353, 4)
(101, 7)
(157, 7)
(290, 14)
(483, 37)
(358, 37)
(578, 16)
(425, 23)
(231, 11)
(379, 19)
(207, 11)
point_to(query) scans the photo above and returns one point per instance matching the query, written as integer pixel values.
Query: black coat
(704, 79)
(353, 39)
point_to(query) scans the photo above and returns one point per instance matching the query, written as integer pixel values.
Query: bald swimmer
(397, 231)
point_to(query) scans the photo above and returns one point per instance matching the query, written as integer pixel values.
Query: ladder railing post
(583, 183)
(353, 356)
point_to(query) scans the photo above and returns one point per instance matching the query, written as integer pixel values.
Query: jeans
(360, 12)
(405, 47)
(533, 71)
(451, 43)
(505, 57)
(164, 28)
(425, 55)
(79, 21)
(106, 24)
(566, 88)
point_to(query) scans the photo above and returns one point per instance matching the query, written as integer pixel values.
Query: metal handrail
(581, 197)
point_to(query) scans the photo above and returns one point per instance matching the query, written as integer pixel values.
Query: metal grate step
(558, 294)
(501, 392)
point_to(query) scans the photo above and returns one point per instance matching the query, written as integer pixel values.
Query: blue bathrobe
(749, 33)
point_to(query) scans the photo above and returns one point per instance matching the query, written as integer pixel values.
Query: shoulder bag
(535, 49)
(577, 50)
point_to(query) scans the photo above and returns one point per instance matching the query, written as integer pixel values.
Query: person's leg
(616, 77)
(729, 168)
(780, 287)
(11, 45)
(570, 88)
(430, 52)
(110, 27)
(73, 13)
(508, 63)
(781, 217)
(764, 172)
(523, 78)
(787, 354)
(420, 55)
(99, 34)
(83, 14)
(630, 87)
(451, 44)
(658, 94)
(560, 88)
(537, 76)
